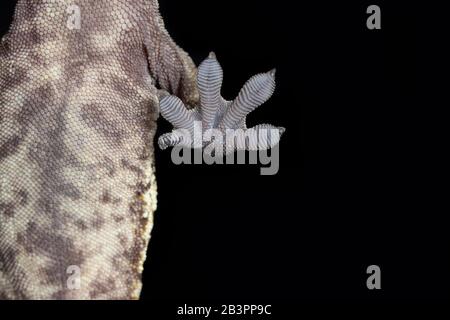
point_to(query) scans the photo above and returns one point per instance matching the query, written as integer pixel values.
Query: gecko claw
(273, 72)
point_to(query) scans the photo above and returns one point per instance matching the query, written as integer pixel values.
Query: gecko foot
(218, 125)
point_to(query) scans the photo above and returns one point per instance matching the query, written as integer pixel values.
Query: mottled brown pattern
(108, 198)
(78, 111)
(102, 288)
(7, 209)
(100, 119)
(20, 200)
(9, 147)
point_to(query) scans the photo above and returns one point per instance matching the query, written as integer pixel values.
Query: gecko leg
(222, 122)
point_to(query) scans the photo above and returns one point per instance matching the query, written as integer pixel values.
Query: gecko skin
(78, 111)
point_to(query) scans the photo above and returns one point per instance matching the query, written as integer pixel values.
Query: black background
(352, 189)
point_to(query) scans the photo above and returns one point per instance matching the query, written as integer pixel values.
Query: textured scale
(78, 111)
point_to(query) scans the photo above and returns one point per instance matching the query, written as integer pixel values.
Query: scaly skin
(77, 120)
(78, 111)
